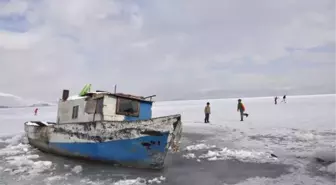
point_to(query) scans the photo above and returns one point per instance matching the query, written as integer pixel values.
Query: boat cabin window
(94, 106)
(128, 107)
(75, 112)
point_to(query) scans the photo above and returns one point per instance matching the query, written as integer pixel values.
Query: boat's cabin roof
(101, 94)
(121, 95)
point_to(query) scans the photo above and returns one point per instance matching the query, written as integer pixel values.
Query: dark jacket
(240, 107)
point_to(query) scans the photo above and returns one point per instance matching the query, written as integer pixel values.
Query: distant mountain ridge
(13, 101)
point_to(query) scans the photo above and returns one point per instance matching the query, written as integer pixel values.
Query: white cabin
(103, 106)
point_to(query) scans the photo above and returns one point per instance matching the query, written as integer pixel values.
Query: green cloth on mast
(85, 90)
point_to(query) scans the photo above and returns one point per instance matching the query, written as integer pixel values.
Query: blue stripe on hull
(142, 151)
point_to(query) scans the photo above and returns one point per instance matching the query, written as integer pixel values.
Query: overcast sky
(176, 49)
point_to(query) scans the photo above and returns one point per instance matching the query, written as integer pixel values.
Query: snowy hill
(10, 100)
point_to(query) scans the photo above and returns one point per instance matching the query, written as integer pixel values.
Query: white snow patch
(20, 161)
(54, 178)
(189, 156)
(14, 140)
(28, 166)
(304, 136)
(7, 170)
(330, 168)
(14, 149)
(137, 181)
(25, 164)
(157, 180)
(241, 155)
(162, 178)
(77, 169)
(141, 181)
(89, 182)
(200, 147)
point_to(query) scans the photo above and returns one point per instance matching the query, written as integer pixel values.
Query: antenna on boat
(115, 88)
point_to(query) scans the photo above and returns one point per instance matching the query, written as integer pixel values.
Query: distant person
(35, 111)
(284, 99)
(241, 109)
(276, 100)
(207, 112)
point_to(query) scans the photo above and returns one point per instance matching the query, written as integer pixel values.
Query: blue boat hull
(146, 151)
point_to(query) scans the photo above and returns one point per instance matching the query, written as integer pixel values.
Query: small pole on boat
(115, 88)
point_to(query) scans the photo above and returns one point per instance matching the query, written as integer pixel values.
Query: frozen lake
(226, 151)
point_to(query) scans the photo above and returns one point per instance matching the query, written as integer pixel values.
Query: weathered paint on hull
(129, 151)
(145, 146)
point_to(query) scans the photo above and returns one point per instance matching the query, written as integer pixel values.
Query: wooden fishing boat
(111, 127)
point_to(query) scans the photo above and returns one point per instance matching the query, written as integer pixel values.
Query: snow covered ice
(282, 144)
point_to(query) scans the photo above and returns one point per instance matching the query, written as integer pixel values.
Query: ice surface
(242, 155)
(292, 131)
(332, 168)
(326, 155)
(157, 180)
(19, 159)
(14, 150)
(292, 179)
(26, 164)
(227, 154)
(137, 181)
(189, 156)
(90, 182)
(200, 147)
(14, 140)
(54, 178)
(141, 181)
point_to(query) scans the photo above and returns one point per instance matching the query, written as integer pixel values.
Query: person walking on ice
(241, 109)
(207, 112)
(35, 111)
(276, 100)
(284, 99)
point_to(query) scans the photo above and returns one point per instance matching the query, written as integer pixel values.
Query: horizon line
(250, 97)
